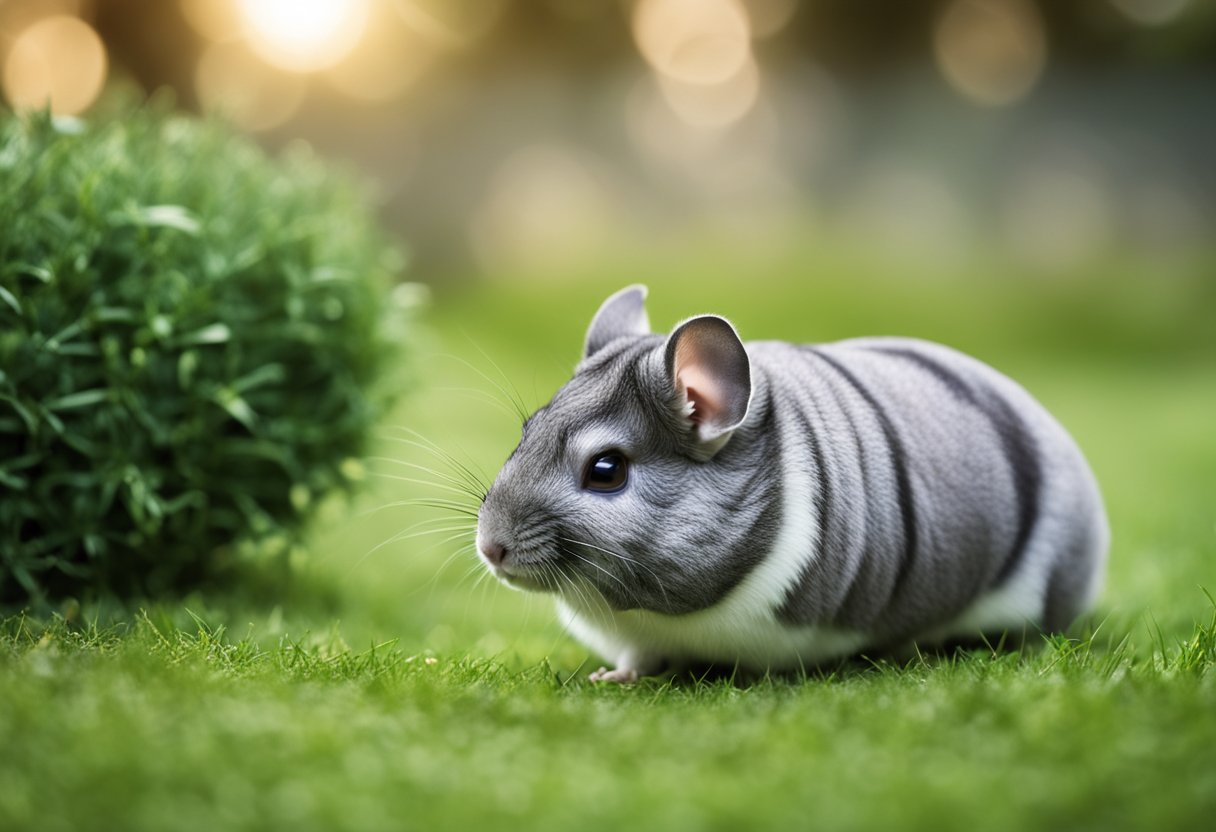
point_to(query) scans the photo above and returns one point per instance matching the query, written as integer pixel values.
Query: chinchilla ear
(623, 314)
(711, 378)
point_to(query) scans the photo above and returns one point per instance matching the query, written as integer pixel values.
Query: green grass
(386, 688)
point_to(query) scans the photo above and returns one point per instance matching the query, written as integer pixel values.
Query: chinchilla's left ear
(623, 314)
(711, 380)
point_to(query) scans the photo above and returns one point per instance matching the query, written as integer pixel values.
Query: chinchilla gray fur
(692, 499)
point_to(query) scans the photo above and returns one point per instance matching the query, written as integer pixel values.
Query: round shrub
(189, 335)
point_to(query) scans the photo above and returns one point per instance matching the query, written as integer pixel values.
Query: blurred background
(535, 137)
(1031, 182)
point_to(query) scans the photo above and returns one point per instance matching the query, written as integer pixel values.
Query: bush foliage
(189, 333)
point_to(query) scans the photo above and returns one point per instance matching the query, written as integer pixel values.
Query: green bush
(189, 333)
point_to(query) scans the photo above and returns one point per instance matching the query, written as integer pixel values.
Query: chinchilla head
(650, 478)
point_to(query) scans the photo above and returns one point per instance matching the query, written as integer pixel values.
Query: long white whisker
(517, 404)
(623, 557)
(450, 481)
(483, 396)
(407, 532)
(416, 481)
(597, 566)
(472, 478)
(569, 581)
(598, 606)
(478, 476)
(518, 397)
(423, 443)
(434, 580)
(426, 502)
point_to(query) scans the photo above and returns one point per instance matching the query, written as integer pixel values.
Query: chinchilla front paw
(620, 675)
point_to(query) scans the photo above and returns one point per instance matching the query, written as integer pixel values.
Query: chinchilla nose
(493, 551)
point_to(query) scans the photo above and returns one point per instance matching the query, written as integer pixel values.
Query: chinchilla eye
(606, 472)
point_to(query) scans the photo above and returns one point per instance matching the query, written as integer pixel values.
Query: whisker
(397, 535)
(442, 504)
(514, 401)
(406, 534)
(563, 579)
(434, 580)
(596, 565)
(476, 566)
(483, 396)
(588, 593)
(409, 532)
(623, 557)
(478, 478)
(597, 606)
(517, 399)
(450, 480)
(421, 501)
(416, 481)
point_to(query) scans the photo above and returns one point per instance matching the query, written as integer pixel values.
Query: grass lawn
(382, 685)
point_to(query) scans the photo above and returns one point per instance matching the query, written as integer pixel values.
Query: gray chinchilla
(692, 499)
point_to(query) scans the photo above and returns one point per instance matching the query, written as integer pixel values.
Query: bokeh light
(664, 116)
(1166, 217)
(234, 82)
(991, 51)
(390, 59)
(905, 210)
(663, 139)
(17, 15)
(693, 41)
(450, 24)
(1058, 210)
(303, 35)
(1151, 12)
(546, 209)
(768, 17)
(213, 19)
(59, 61)
(713, 105)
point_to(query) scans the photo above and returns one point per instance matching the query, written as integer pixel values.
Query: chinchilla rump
(691, 498)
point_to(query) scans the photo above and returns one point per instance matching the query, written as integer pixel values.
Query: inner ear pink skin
(701, 390)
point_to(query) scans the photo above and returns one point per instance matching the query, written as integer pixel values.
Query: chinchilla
(691, 499)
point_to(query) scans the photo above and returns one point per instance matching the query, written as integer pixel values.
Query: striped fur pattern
(877, 491)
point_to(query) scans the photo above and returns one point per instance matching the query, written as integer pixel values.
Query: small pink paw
(621, 675)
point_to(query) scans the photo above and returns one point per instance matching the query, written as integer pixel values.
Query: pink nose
(494, 552)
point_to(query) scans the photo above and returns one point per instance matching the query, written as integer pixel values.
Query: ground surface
(383, 687)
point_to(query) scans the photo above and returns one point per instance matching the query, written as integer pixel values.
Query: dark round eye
(606, 472)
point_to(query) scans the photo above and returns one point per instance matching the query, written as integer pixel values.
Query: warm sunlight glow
(991, 51)
(449, 23)
(58, 60)
(661, 136)
(768, 17)
(304, 35)
(546, 208)
(713, 105)
(390, 59)
(233, 81)
(213, 19)
(18, 15)
(693, 41)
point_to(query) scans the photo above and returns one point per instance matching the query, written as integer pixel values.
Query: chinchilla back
(937, 481)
